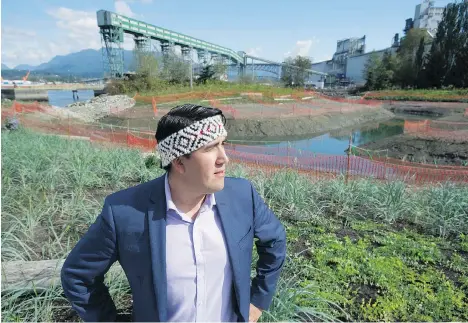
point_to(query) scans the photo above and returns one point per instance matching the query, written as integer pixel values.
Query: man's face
(205, 169)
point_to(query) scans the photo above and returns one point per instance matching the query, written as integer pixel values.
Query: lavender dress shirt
(199, 276)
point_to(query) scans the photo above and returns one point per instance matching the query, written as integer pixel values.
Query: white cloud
(21, 46)
(123, 8)
(76, 30)
(302, 48)
(128, 43)
(80, 27)
(324, 58)
(254, 51)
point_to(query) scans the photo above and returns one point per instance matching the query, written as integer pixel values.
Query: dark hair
(181, 117)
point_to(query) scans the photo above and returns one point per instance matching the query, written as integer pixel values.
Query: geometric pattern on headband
(190, 138)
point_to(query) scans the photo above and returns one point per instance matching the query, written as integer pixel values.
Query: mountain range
(85, 63)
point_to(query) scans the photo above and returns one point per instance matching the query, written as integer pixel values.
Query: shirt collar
(210, 200)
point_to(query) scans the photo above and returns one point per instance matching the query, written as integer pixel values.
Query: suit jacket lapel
(157, 238)
(230, 225)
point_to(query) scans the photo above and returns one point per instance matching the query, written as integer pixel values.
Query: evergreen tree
(406, 70)
(459, 75)
(419, 64)
(295, 76)
(446, 64)
(372, 70)
(207, 73)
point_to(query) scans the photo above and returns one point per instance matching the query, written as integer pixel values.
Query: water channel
(330, 143)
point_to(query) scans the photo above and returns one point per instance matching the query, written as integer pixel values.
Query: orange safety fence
(361, 100)
(267, 157)
(17, 108)
(356, 167)
(312, 108)
(182, 96)
(449, 123)
(262, 106)
(416, 126)
(395, 161)
(433, 128)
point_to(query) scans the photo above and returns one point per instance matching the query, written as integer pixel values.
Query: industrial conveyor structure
(113, 26)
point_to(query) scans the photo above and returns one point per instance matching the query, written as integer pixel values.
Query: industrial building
(426, 16)
(347, 64)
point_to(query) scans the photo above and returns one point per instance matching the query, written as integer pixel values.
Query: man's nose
(223, 156)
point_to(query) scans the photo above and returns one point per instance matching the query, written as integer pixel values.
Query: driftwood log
(36, 275)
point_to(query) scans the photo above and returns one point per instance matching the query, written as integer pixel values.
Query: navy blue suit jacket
(131, 229)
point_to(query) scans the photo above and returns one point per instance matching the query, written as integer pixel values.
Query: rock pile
(100, 106)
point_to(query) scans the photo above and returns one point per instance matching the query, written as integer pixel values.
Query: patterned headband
(191, 138)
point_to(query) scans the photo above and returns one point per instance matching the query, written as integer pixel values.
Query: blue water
(336, 142)
(332, 143)
(62, 98)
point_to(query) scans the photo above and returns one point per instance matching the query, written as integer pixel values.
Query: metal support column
(253, 72)
(202, 56)
(142, 50)
(187, 55)
(167, 47)
(112, 52)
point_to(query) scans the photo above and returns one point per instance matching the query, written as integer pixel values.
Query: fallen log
(37, 275)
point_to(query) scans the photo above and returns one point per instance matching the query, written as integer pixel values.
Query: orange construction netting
(437, 128)
(267, 158)
(260, 105)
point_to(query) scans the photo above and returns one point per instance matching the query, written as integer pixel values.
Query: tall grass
(441, 209)
(53, 188)
(453, 95)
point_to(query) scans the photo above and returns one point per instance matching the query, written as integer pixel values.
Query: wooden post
(128, 129)
(385, 165)
(349, 158)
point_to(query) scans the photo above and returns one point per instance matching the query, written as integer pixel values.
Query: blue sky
(34, 31)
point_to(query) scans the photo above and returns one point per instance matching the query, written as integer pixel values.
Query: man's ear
(178, 165)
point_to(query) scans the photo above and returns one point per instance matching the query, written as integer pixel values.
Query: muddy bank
(284, 127)
(429, 109)
(423, 150)
(258, 129)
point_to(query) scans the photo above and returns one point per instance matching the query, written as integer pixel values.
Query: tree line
(153, 73)
(425, 62)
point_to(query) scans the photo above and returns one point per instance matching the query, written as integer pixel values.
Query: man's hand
(254, 313)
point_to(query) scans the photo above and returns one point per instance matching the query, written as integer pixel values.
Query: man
(185, 239)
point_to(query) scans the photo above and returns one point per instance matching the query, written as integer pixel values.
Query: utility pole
(253, 72)
(191, 67)
(191, 72)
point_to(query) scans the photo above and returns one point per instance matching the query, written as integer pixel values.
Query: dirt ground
(429, 109)
(300, 126)
(261, 120)
(450, 147)
(453, 122)
(423, 150)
